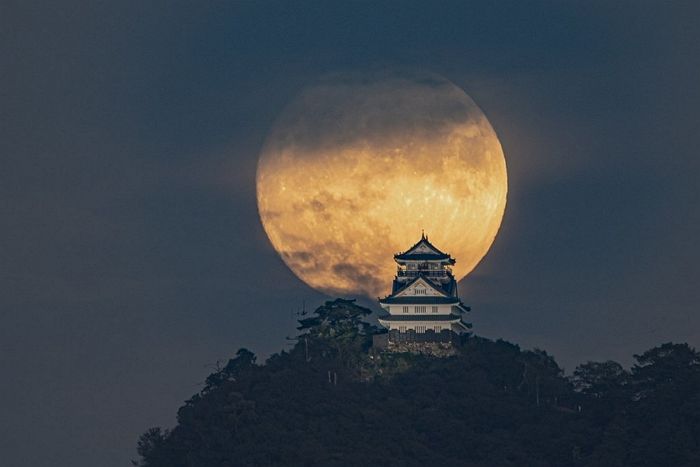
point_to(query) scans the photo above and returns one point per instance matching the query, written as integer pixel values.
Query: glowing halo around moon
(358, 165)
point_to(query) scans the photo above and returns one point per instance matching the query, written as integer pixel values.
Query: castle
(424, 312)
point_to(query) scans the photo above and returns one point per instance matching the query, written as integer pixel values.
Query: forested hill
(332, 401)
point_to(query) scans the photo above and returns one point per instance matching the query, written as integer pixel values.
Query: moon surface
(357, 165)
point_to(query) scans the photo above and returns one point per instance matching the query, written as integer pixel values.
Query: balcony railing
(425, 272)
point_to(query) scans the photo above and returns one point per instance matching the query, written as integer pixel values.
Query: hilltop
(333, 401)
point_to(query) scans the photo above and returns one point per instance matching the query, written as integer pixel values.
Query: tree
(669, 368)
(338, 325)
(657, 422)
(244, 362)
(150, 447)
(600, 379)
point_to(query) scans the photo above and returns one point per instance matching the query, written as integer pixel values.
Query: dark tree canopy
(332, 401)
(339, 319)
(600, 379)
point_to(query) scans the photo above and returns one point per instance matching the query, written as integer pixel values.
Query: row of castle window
(422, 329)
(420, 309)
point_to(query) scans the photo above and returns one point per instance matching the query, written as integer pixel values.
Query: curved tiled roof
(426, 317)
(422, 300)
(423, 257)
(438, 255)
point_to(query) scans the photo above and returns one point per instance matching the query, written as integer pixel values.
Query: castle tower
(423, 308)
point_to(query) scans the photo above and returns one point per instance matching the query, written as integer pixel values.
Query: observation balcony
(438, 273)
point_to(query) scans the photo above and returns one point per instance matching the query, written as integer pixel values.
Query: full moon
(358, 165)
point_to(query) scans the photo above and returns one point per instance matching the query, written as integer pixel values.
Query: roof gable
(420, 287)
(424, 247)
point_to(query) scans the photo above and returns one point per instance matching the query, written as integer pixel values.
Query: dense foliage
(332, 401)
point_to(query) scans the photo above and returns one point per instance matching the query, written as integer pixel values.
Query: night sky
(132, 257)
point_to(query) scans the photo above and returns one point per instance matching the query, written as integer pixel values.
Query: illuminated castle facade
(424, 306)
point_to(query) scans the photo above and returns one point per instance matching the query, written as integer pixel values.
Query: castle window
(402, 328)
(405, 309)
(420, 291)
(435, 309)
(421, 309)
(420, 329)
(438, 328)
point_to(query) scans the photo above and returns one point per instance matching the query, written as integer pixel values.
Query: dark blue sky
(131, 254)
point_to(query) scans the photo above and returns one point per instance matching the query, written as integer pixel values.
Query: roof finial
(422, 234)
